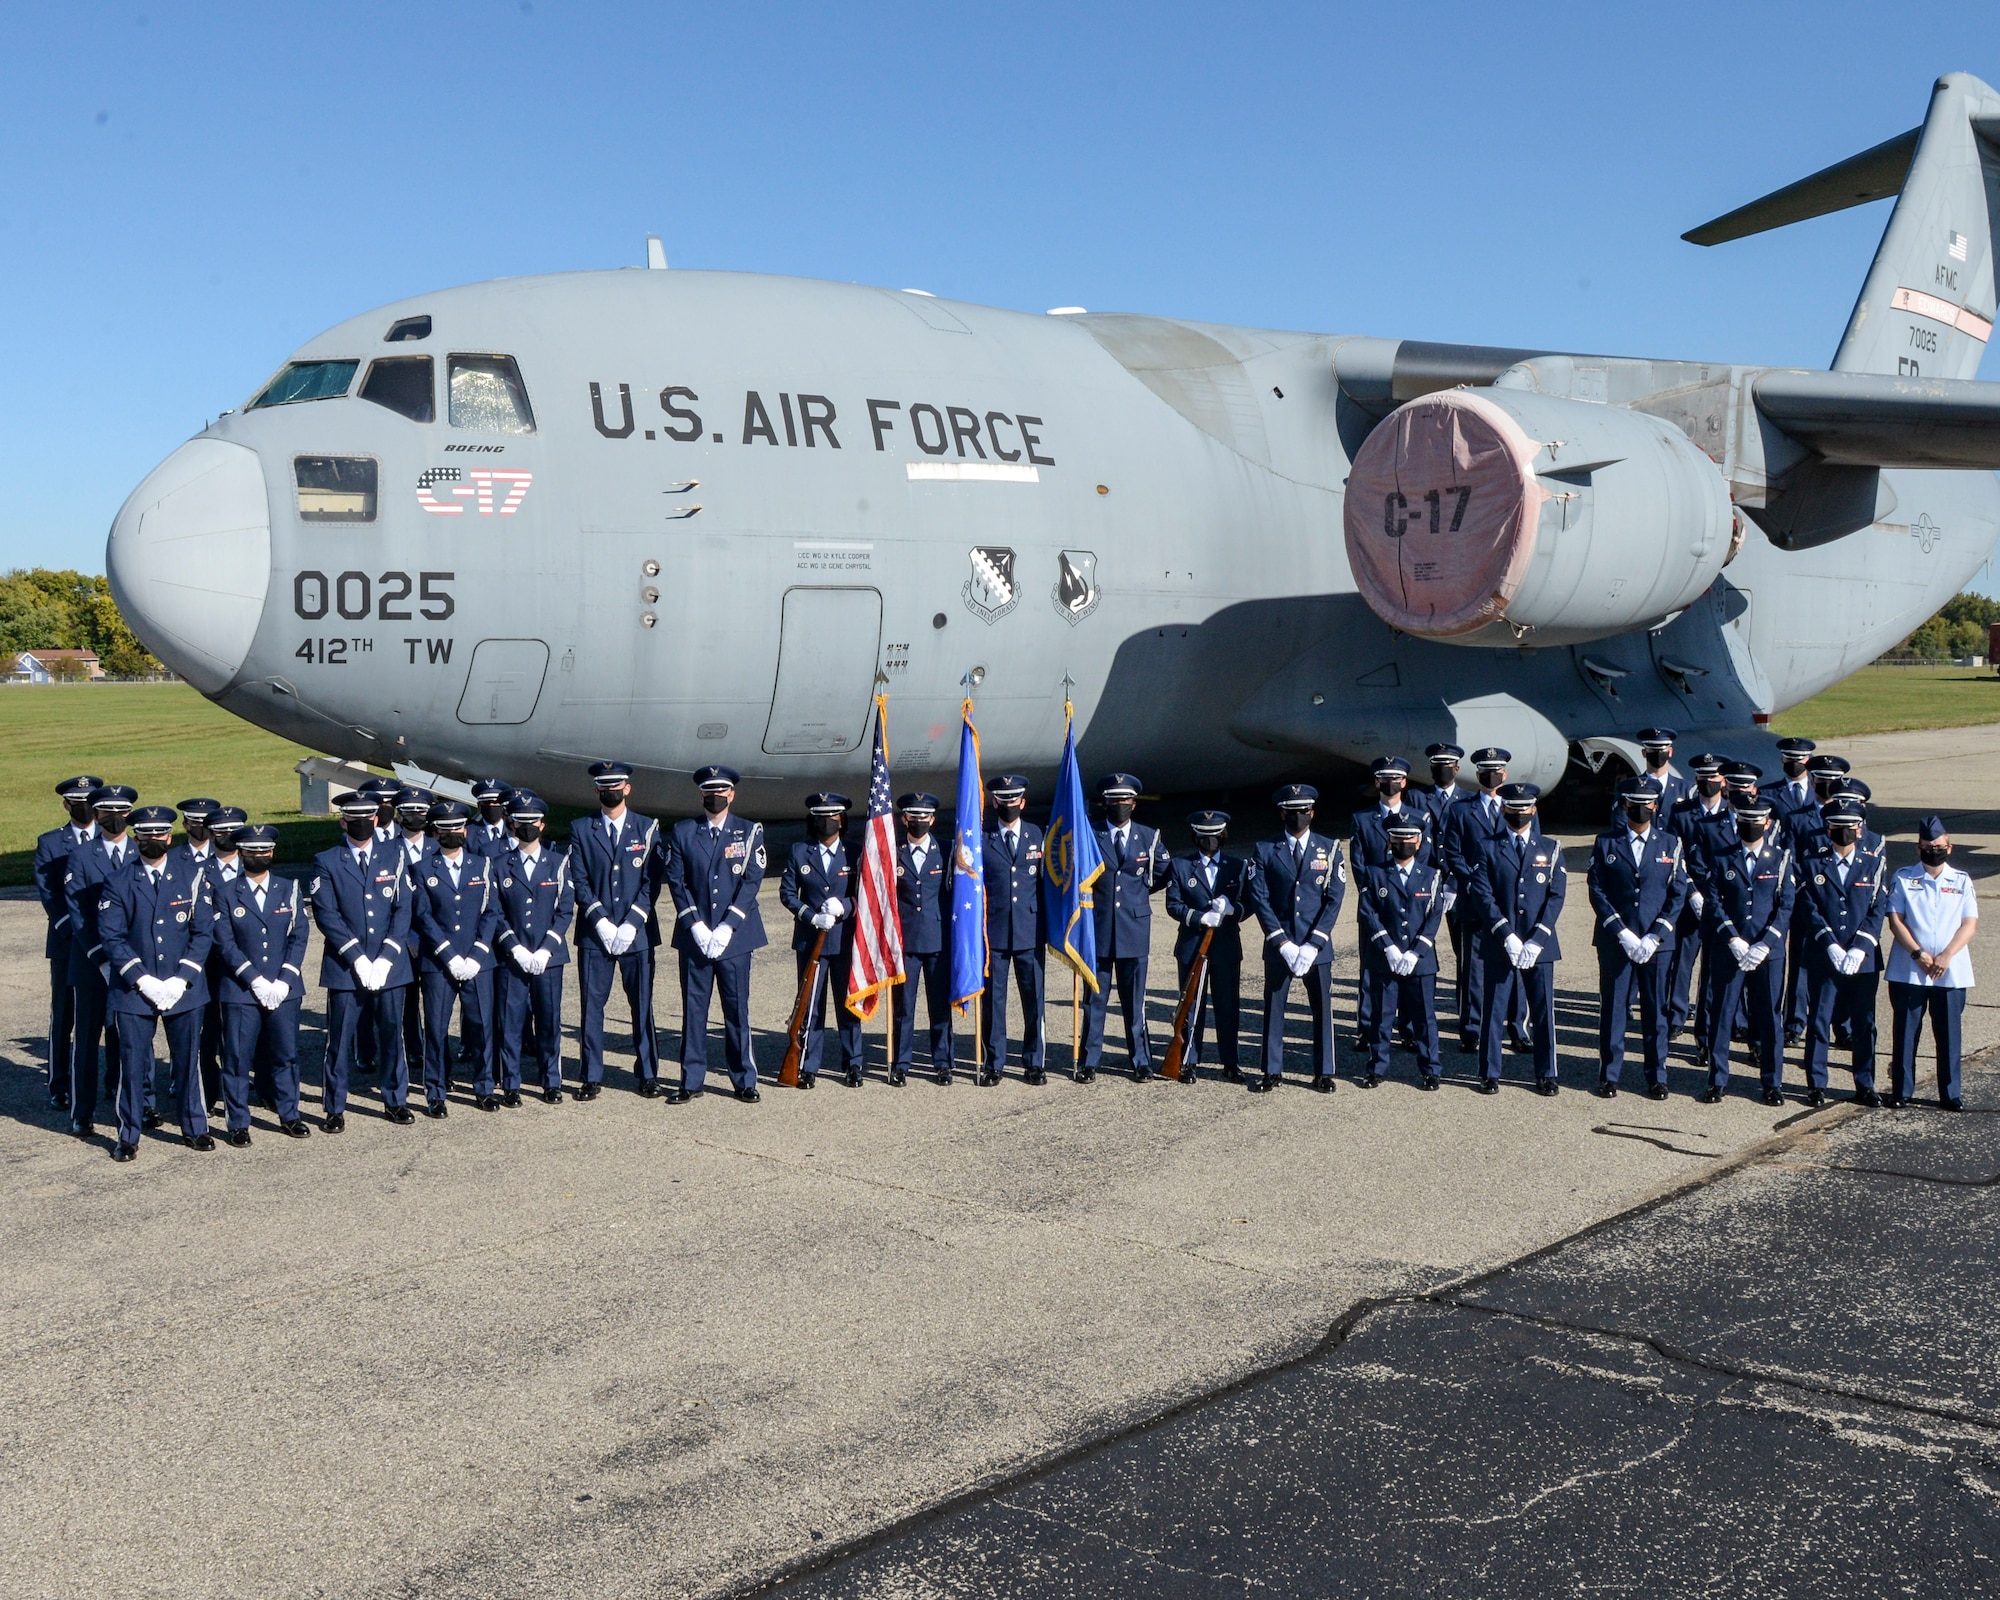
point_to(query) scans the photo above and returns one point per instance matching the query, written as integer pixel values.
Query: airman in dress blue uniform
(1518, 891)
(362, 902)
(383, 792)
(1445, 759)
(225, 823)
(1206, 891)
(201, 848)
(923, 903)
(1701, 816)
(1749, 908)
(1854, 789)
(714, 866)
(488, 833)
(1296, 885)
(817, 887)
(615, 861)
(1638, 885)
(91, 864)
(1933, 913)
(1136, 864)
(52, 850)
(1400, 905)
(1474, 821)
(1368, 846)
(1013, 871)
(1843, 896)
(1656, 749)
(262, 929)
(535, 908)
(456, 918)
(156, 923)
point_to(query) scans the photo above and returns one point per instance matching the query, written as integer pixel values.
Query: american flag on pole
(878, 929)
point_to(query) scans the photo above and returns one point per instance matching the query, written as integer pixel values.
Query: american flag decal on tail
(878, 929)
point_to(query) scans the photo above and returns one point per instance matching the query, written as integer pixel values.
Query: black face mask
(1119, 812)
(1389, 788)
(197, 832)
(1009, 810)
(1444, 777)
(1708, 788)
(257, 862)
(527, 832)
(1403, 849)
(1795, 770)
(715, 803)
(491, 811)
(1519, 821)
(825, 827)
(1208, 843)
(152, 847)
(1298, 822)
(1640, 818)
(917, 827)
(385, 817)
(79, 812)
(112, 825)
(1931, 854)
(1749, 832)
(451, 838)
(1490, 778)
(1843, 833)
(612, 799)
(359, 829)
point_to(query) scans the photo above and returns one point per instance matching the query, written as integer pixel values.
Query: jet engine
(1503, 517)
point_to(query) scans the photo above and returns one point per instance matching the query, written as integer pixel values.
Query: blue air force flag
(1070, 865)
(968, 884)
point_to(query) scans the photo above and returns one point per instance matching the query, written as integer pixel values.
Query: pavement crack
(1152, 1558)
(1577, 1480)
(1915, 1177)
(1613, 1130)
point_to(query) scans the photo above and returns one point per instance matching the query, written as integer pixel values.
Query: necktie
(1012, 839)
(154, 874)
(1298, 852)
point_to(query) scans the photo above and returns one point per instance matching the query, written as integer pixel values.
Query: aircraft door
(504, 683)
(827, 649)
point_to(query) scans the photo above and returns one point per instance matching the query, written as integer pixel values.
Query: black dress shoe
(216, 1108)
(675, 1095)
(1774, 1097)
(897, 1077)
(1262, 1083)
(400, 1115)
(1468, 1047)
(124, 1152)
(552, 1097)
(238, 1137)
(988, 1078)
(1370, 1080)
(1086, 1074)
(151, 1120)
(1815, 1097)
(1657, 1091)
(1035, 1077)
(1141, 1074)
(295, 1129)
(588, 1091)
(1322, 1083)
(1232, 1074)
(1711, 1096)
(748, 1096)
(943, 1076)
(58, 1101)
(199, 1141)
(1867, 1097)
(336, 1122)
(1606, 1091)
(83, 1130)
(1892, 1102)
(1429, 1082)
(1518, 1045)
(649, 1090)
(808, 1079)
(1794, 1036)
(852, 1077)
(511, 1098)
(436, 1108)
(1489, 1086)
(1547, 1088)
(1951, 1102)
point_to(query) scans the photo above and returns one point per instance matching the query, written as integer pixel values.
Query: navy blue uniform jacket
(923, 899)
(1014, 891)
(1188, 898)
(165, 930)
(1399, 912)
(1750, 900)
(805, 886)
(1521, 892)
(620, 885)
(1122, 897)
(1849, 916)
(89, 870)
(1368, 838)
(260, 944)
(464, 921)
(1299, 906)
(361, 916)
(534, 907)
(1645, 899)
(713, 878)
(51, 867)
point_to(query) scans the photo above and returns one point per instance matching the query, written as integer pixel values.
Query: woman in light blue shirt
(1933, 913)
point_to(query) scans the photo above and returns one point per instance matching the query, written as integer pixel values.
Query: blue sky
(191, 191)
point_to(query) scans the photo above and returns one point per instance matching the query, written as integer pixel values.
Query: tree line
(45, 610)
(1958, 629)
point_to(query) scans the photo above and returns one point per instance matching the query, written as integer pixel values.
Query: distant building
(54, 666)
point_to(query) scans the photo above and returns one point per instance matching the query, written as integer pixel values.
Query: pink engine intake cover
(1442, 508)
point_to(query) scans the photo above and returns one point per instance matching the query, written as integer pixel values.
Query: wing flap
(1865, 420)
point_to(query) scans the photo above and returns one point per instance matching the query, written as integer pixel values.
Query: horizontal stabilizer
(1873, 175)
(1866, 420)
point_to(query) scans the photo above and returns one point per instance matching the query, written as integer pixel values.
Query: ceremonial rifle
(802, 1010)
(1188, 1017)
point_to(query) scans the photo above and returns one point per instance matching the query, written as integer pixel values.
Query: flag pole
(1075, 978)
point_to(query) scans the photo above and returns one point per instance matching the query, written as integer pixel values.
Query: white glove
(463, 968)
(152, 990)
(373, 974)
(627, 937)
(1837, 957)
(1393, 954)
(1530, 954)
(261, 989)
(522, 958)
(718, 942)
(824, 920)
(1407, 965)
(1738, 949)
(1853, 963)
(1302, 963)
(1759, 953)
(1648, 948)
(1629, 942)
(280, 993)
(1211, 918)
(1221, 907)
(538, 963)
(701, 935)
(171, 991)
(1289, 954)
(1513, 944)
(1447, 900)
(607, 934)
(834, 904)
(1694, 901)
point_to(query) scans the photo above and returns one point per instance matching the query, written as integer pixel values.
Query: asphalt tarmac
(620, 1348)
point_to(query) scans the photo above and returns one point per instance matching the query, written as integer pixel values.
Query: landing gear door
(828, 646)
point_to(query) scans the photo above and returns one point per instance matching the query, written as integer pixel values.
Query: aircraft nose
(189, 559)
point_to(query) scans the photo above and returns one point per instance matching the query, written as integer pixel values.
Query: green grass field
(1893, 699)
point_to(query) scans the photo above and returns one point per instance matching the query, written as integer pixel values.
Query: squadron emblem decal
(991, 592)
(1075, 594)
(475, 484)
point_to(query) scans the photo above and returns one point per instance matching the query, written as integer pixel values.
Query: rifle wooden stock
(802, 1008)
(1190, 1009)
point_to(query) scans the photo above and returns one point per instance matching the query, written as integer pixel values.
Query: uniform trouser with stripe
(830, 991)
(1909, 1004)
(1222, 994)
(1029, 977)
(1619, 980)
(595, 968)
(1681, 991)
(1389, 1000)
(92, 1024)
(135, 1071)
(254, 1039)
(474, 999)
(699, 977)
(517, 996)
(1318, 983)
(1838, 1001)
(933, 967)
(62, 1024)
(1531, 994)
(1800, 949)
(1128, 975)
(211, 1046)
(351, 1016)
(1760, 992)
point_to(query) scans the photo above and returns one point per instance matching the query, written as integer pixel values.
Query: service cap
(485, 789)
(1822, 766)
(411, 798)
(1841, 810)
(354, 803)
(1436, 753)
(526, 807)
(1852, 789)
(916, 800)
(198, 810)
(258, 835)
(1118, 786)
(1635, 790)
(227, 823)
(79, 788)
(1207, 821)
(609, 774)
(1657, 738)
(827, 804)
(1931, 828)
(1753, 809)
(1518, 796)
(1705, 765)
(1491, 756)
(381, 788)
(1389, 766)
(1007, 786)
(446, 812)
(716, 778)
(153, 819)
(1295, 797)
(1741, 774)
(1406, 827)
(113, 797)
(1796, 747)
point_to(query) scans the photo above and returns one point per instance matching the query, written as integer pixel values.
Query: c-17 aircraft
(692, 517)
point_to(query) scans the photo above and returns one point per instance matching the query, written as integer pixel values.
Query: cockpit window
(335, 488)
(408, 328)
(403, 384)
(306, 380)
(486, 393)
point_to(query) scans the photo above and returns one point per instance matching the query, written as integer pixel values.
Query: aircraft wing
(1864, 420)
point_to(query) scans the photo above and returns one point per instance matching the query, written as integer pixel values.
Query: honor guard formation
(1727, 907)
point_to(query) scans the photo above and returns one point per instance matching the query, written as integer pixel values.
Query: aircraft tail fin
(1927, 306)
